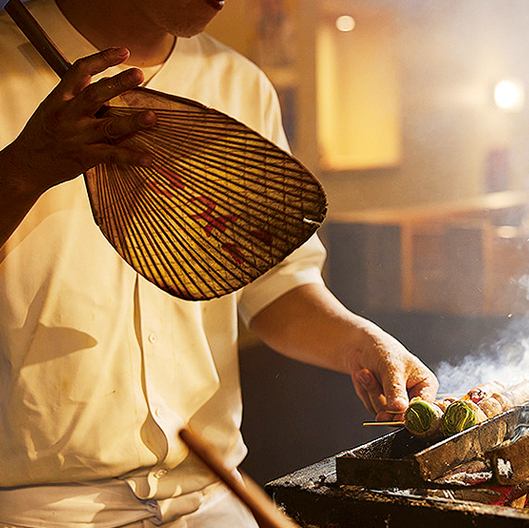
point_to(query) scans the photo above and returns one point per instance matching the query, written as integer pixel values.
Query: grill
(399, 459)
(478, 478)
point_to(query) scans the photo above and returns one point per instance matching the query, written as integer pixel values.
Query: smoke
(506, 361)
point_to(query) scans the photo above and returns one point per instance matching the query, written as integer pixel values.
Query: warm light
(509, 95)
(345, 23)
(358, 87)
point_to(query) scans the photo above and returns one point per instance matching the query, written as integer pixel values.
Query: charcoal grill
(398, 480)
(401, 460)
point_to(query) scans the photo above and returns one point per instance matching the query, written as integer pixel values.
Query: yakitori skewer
(383, 424)
(452, 415)
(483, 403)
(423, 418)
(448, 416)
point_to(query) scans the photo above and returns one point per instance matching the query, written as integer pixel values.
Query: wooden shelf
(468, 258)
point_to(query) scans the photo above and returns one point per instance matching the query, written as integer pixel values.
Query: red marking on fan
(219, 222)
(235, 251)
(262, 235)
(155, 186)
(163, 187)
(172, 177)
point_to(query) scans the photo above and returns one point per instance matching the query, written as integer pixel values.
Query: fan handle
(37, 36)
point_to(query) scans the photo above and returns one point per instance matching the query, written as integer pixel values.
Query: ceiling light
(509, 95)
(345, 23)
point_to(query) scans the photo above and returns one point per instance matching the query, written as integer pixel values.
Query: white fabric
(111, 504)
(98, 367)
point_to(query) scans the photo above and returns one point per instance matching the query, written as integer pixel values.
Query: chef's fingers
(113, 129)
(77, 78)
(362, 393)
(372, 388)
(114, 154)
(94, 96)
(384, 416)
(425, 388)
(394, 381)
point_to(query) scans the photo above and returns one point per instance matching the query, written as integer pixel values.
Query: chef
(99, 368)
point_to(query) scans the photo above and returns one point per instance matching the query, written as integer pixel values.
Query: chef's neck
(113, 23)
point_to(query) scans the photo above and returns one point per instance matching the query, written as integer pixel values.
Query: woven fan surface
(220, 206)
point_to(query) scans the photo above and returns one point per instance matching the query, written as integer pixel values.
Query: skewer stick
(254, 498)
(386, 424)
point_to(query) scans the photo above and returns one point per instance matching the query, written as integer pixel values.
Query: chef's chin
(196, 20)
(216, 4)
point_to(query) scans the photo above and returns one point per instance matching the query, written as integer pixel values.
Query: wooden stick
(37, 36)
(265, 512)
(386, 424)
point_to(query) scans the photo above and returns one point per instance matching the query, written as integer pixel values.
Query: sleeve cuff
(301, 267)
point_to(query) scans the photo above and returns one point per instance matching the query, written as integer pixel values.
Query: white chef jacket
(99, 368)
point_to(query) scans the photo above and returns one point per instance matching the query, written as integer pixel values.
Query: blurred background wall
(445, 58)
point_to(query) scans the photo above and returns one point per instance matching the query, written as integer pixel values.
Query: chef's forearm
(310, 325)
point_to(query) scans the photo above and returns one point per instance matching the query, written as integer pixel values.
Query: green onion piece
(459, 415)
(422, 418)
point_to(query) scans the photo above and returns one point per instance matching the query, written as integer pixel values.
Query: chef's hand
(386, 376)
(310, 325)
(64, 137)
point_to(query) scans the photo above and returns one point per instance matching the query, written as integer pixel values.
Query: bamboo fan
(219, 207)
